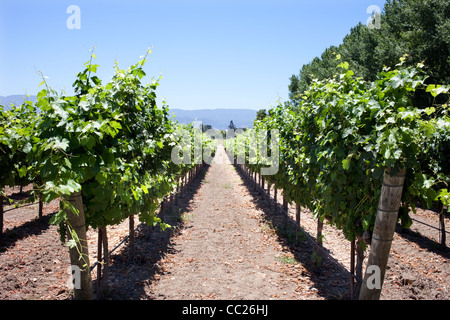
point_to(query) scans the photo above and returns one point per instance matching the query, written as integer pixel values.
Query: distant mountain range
(217, 118)
(15, 99)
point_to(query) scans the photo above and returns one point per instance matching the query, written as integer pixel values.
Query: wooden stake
(442, 227)
(1, 215)
(297, 213)
(297, 218)
(162, 209)
(77, 222)
(99, 265)
(105, 259)
(131, 237)
(383, 234)
(352, 269)
(319, 231)
(41, 206)
(359, 264)
(285, 209)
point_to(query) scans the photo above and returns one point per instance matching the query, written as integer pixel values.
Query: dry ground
(227, 242)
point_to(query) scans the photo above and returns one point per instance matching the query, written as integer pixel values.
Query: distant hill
(217, 118)
(15, 99)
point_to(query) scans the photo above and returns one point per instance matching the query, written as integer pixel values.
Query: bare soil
(228, 241)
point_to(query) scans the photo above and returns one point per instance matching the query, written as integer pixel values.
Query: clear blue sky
(211, 54)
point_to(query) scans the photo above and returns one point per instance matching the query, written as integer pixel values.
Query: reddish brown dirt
(33, 262)
(227, 242)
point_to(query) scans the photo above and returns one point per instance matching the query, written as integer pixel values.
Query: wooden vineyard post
(442, 227)
(99, 259)
(383, 233)
(285, 209)
(105, 265)
(41, 206)
(319, 232)
(1, 214)
(177, 192)
(317, 255)
(79, 254)
(352, 269)
(162, 210)
(297, 219)
(359, 252)
(131, 237)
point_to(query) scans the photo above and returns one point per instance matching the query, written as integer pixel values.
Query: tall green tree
(260, 115)
(418, 28)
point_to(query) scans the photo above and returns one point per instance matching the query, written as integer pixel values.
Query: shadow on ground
(127, 280)
(423, 241)
(330, 280)
(33, 227)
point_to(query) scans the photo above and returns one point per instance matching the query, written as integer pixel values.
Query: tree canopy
(419, 29)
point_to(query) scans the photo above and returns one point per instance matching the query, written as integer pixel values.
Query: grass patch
(184, 216)
(287, 259)
(268, 227)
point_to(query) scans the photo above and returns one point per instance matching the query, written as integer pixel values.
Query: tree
(260, 115)
(418, 28)
(231, 125)
(206, 127)
(358, 50)
(319, 68)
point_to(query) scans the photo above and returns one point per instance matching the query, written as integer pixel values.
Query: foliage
(418, 28)
(260, 115)
(111, 142)
(337, 141)
(16, 135)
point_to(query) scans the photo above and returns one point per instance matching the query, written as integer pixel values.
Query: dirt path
(227, 242)
(33, 262)
(223, 251)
